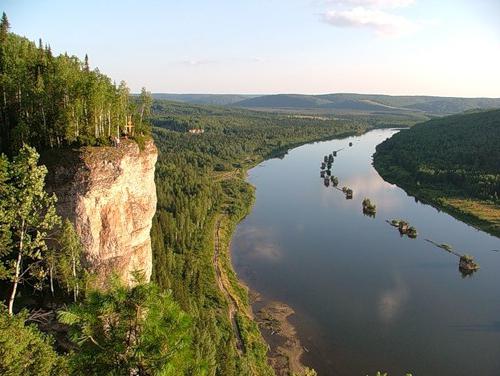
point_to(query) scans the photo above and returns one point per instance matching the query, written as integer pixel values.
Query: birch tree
(68, 259)
(29, 218)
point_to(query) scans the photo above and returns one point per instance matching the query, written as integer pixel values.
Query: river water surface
(365, 298)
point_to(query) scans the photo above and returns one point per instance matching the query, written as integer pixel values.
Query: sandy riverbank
(285, 348)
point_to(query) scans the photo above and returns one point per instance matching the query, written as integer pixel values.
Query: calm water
(365, 298)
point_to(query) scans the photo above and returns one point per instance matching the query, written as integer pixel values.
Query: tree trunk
(75, 288)
(96, 131)
(17, 272)
(142, 114)
(109, 123)
(51, 277)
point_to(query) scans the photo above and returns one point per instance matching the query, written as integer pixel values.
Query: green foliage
(450, 160)
(310, 372)
(24, 350)
(67, 259)
(29, 216)
(128, 331)
(53, 101)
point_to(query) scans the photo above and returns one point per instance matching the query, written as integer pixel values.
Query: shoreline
(285, 347)
(439, 203)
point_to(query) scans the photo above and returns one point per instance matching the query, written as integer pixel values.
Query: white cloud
(381, 4)
(383, 23)
(194, 62)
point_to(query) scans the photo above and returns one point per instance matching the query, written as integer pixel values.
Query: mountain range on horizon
(340, 102)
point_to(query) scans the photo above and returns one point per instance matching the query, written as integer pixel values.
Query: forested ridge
(52, 101)
(453, 162)
(410, 106)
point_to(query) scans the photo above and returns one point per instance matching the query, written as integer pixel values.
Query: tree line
(458, 154)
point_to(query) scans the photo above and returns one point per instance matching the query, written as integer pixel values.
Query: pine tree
(4, 131)
(24, 350)
(4, 26)
(86, 67)
(145, 100)
(129, 331)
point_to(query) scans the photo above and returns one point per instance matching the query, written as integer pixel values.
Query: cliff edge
(109, 194)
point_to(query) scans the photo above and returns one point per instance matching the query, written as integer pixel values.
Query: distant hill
(212, 99)
(452, 162)
(368, 103)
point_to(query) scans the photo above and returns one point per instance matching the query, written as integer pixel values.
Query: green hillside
(436, 106)
(210, 99)
(452, 162)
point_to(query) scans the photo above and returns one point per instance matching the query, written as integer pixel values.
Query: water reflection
(367, 298)
(391, 300)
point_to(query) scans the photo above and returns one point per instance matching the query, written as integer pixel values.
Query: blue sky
(434, 47)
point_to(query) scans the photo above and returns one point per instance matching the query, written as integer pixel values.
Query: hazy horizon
(391, 47)
(323, 93)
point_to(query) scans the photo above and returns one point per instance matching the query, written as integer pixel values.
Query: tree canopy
(128, 331)
(52, 101)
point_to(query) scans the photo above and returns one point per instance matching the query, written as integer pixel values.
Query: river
(365, 298)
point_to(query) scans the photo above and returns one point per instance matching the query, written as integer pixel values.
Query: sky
(399, 47)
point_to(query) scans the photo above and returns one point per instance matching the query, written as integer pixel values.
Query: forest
(451, 162)
(56, 101)
(53, 321)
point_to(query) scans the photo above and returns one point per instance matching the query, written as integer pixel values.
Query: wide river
(365, 298)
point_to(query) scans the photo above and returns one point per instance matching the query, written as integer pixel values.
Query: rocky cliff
(110, 195)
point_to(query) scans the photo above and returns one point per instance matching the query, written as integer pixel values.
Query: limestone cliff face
(110, 195)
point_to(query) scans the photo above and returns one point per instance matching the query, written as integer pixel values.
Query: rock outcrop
(110, 195)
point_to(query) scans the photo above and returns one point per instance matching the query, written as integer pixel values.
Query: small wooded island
(467, 265)
(369, 208)
(404, 228)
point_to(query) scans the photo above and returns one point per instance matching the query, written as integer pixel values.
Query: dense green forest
(200, 184)
(54, 101)
(452, 162)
